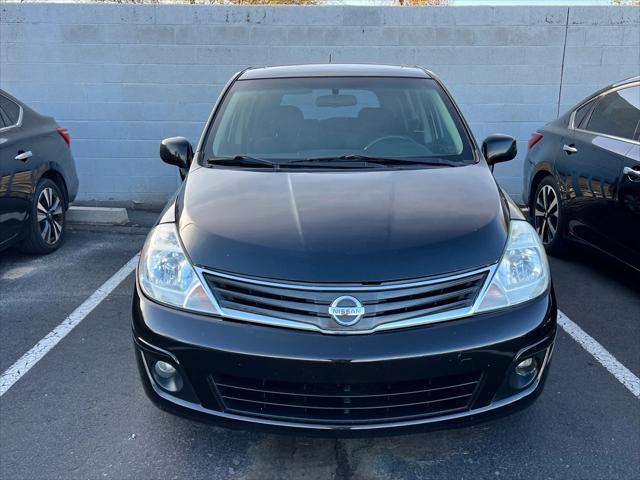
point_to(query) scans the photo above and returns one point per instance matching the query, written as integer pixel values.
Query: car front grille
(304, 305)
(345, 404)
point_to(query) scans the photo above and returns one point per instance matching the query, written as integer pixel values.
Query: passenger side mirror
(499, 148)
(176, 151)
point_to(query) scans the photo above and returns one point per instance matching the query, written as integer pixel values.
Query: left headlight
(166, 274)
(523, 272)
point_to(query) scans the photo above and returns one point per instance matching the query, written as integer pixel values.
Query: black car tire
(47, 220)
(547, 216)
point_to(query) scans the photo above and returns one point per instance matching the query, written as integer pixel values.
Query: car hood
(342, 226)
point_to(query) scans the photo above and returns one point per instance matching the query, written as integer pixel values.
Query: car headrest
(374, 118)
(287, 114)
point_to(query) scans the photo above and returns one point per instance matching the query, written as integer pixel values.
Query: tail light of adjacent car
(64, 133)
(535, 138)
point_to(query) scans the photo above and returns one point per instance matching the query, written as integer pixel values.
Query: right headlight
(523, 272)
(166, 274)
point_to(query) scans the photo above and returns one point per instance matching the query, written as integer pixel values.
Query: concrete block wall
(122, 77)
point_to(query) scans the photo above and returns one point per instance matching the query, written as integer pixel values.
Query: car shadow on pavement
(591, 261)
(282, 456)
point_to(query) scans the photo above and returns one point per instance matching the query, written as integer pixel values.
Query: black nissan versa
(340, 259)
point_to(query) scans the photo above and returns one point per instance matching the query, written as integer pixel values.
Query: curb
(98, 215)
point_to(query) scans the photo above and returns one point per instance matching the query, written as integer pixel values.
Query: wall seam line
(564, 52)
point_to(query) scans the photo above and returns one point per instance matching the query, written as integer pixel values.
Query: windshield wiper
(377, 160)
(242, 160)
(344, 161)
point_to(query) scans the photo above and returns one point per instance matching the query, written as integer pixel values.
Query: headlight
(523, 272)
(166, 274)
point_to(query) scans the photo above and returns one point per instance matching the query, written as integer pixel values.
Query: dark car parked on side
(37, 178)
(340, 260)
(582, 175)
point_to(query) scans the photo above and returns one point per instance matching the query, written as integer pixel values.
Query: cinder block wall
(122, 77)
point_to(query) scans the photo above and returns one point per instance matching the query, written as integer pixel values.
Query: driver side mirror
(499, 148)
(176, 151)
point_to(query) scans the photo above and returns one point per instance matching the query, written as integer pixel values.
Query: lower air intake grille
(346, 404)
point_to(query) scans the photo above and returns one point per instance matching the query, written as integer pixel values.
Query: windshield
(289, 119)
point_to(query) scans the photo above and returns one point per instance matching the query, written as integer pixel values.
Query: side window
(581, 114)
(2, 122)
(10, 109)
(618, 114)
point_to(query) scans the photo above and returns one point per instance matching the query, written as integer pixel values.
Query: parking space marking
(608, 361)
(40, 349)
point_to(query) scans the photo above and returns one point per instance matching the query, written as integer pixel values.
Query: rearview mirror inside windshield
(336, 101)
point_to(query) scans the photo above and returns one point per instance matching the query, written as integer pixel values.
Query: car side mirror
(499, 148)
(176, 151)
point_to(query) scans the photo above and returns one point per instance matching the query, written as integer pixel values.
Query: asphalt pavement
(80, 412)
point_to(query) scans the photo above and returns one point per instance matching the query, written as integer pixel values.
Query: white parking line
(608, 361)
(40, 349)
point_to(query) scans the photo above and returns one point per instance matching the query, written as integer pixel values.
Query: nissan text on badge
(340, 260)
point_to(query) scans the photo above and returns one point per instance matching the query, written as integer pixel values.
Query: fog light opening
(167, 376)
(524, 373)
(164, 369)
(527, 367)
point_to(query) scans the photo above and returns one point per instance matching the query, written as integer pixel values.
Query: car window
(617, 114)
(11, 109)
(2, 122)
(581, 114)
(297, 118)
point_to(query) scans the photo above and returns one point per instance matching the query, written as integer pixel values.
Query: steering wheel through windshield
(388, 138)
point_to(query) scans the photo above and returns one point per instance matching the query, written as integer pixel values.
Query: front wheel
(548, 216)
(47, 222)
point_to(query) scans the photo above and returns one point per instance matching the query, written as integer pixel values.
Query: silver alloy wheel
(50, 215)
(546, 214)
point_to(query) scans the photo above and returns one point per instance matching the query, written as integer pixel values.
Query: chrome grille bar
(387, 305)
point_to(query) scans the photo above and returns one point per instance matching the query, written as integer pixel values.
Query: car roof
(621, 83)
(624, 82)
(9, 96)
(333, 70)
(562, 119)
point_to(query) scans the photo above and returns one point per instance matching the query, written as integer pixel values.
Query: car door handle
(631, 173)
(24, 156)
(569, 149)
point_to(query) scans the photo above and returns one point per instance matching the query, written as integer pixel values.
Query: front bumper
(207, 351)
